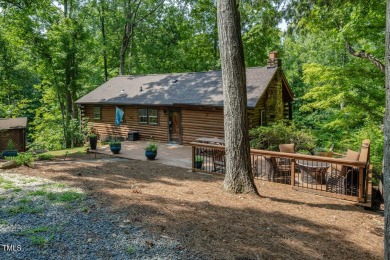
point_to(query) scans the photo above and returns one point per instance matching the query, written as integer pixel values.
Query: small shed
(13, 129)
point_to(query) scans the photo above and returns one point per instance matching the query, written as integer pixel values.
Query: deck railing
(332, 177)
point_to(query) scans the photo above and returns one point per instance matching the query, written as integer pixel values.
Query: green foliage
(26, 159)
(67, 196)
(198, 158)
(10, 145)
(270, 137)
(39, 240)
(115, 143)
(152, 147)
(44, 157)
(26, 208)
(130, 250)
(38, 193)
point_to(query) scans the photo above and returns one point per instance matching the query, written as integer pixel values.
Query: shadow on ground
(192, 208)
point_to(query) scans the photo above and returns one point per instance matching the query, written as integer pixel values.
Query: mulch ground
(193, 208)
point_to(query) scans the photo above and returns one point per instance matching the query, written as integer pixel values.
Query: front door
(174, 126)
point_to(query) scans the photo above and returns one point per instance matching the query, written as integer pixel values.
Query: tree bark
(103, 30)
(238, 177)
(386, 151)
(368, 56)
(131, 9)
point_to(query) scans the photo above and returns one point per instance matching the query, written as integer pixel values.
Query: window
(262, 118)
(148, 116)
(143, 116)
(97, 113)
(152, 115)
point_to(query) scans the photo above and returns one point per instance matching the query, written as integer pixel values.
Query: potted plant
(10, 149)
(93, 141)
(198, 162)
(115, 146)
(151, 151)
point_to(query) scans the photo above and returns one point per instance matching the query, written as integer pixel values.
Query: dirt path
(193, 209)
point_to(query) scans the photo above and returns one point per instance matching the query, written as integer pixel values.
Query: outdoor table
(313, 171)
(208, 140)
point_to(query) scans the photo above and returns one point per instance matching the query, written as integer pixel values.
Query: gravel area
(43, 219)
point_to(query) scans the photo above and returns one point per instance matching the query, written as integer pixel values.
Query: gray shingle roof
(13, 123)
(197, 88)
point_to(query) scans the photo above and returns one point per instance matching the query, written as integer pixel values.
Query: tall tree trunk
(386, 152)
(238, 177)
(131, 9)
(103, 30)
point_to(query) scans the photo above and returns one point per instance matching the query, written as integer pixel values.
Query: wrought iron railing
(333, 177)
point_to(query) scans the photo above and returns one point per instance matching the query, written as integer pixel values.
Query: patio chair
(344, 179)
(219, 160)
(282, 166)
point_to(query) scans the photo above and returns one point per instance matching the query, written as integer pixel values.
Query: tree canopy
(53, 52)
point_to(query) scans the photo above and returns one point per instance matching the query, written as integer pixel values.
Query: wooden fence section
(332, 177)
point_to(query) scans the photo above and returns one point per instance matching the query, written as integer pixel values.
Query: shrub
(26, 159)
(151, 147)
(44, 157)
(269, 137)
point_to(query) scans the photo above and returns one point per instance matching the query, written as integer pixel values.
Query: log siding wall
(106, 128)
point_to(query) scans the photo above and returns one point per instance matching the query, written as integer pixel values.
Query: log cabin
(14, 130)
(181, 107)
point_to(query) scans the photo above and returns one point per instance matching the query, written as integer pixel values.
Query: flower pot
(115, 148)
(150, 155)
(198, 165)
(93, 142)
(9, 153)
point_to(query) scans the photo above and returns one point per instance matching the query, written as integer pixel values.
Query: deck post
(361, 193)
(193, 158)
(292, 173)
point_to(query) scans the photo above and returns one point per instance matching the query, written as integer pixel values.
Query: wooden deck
(315, 174)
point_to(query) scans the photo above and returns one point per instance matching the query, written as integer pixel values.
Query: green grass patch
(39, 240)
(3, 222)
(29, 180)
(24, 208)
(130, 250)
(25, 200)
(58, 185)
(34, 230)
(17, 189)
(67, 196)
(44, 157)
(73, 151)
(3, 198)
(8, 185)
(40, 192)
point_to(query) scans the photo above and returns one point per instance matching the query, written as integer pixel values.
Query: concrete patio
(168, 154)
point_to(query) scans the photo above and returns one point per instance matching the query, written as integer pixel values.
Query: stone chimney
(273, 60)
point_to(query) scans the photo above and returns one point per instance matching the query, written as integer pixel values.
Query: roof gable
(197, 88)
